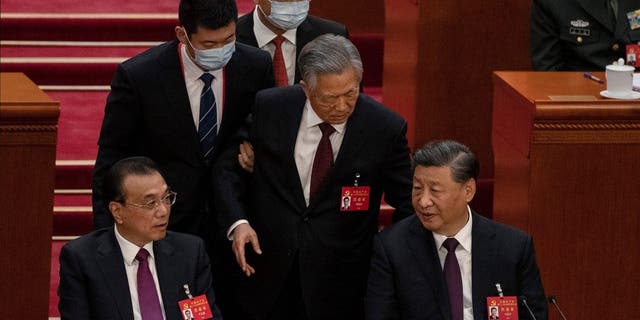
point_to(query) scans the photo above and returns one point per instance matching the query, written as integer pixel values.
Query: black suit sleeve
(204, 279)
(118, 138)
(397, 175)
(74, 300)
(229, 186)
(546, 46)
(380, 301)
(531, 283)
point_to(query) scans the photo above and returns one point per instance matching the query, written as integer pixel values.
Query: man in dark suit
(581, 34)
(287, 19)
(154, 108)
(313, 143)
(445, 261)
(137, 269)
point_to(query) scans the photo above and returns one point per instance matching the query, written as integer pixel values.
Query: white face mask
(288, 15)
(214, 58)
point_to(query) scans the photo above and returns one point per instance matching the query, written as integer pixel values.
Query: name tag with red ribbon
(355, 198)
(503, 308)
(196, 308)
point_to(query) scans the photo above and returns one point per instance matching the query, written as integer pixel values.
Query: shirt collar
(463, 236)
(264, 35)
(312, 118)
(130, 250)
(192, 72)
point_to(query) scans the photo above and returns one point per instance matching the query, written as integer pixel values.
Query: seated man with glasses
(135, 269)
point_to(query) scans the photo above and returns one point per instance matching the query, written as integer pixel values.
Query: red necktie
(453, 278)
(147, 294)
(323, 160)
(279, 68)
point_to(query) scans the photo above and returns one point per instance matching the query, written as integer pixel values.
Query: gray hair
(328, 54)
(463, 163)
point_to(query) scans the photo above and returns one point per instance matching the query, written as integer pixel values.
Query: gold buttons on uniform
(579, 39)
(615, 47)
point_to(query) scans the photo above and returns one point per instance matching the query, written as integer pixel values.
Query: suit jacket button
(615, 47)
(579, 39)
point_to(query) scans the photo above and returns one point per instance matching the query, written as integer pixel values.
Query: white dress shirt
(264, 36)
(463, 254)
(307, 141)
(194, 86)
(129, 252)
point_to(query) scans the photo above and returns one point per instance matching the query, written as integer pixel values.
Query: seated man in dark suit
(135, 269)
(287, 25)
(445, 261)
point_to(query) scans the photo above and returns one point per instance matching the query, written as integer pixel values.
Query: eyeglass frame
(329, 101)
(154, 204)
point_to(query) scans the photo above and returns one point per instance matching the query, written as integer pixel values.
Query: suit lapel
(245, 30)
(422, 245)
(483, 257)
(171, 77)
(598, 10)
(303, 36)
(165, 266)
(234, 73)
(353, 137)
(290, 123)
(111, 263)
(350, 149)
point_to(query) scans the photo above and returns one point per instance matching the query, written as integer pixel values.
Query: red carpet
(79, 124)
(79, 51)
(105, 6)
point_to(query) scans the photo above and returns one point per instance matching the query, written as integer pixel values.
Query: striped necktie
(208, 123)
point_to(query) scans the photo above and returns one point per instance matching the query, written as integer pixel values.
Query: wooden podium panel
(28, 125)
(567, 170)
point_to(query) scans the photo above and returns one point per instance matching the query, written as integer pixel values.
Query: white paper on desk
(636, 82)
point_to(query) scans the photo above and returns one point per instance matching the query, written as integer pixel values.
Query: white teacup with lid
(619, 81)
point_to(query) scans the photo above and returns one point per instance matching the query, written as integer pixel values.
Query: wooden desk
(567, 170)
(28, 125)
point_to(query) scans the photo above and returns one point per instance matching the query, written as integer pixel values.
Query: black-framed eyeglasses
(167, 200)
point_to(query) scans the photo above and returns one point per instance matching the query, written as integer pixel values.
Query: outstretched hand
(242, 235)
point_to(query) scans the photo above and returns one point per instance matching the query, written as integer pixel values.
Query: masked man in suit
(135, 269)
(582, 34)
(181, 104)
(443, 262)
(283, 28)
(314, 142)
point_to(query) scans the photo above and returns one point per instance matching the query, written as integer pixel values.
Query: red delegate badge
(355, 198)
(633, 55)
(503, 308)
(196, 308)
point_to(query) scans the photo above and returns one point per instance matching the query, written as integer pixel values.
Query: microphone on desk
(552, 300)
(523, 301)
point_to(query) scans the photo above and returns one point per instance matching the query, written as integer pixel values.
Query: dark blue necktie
(208, 123)
(453, 278)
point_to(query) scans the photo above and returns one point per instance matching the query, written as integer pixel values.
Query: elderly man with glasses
(135, 269)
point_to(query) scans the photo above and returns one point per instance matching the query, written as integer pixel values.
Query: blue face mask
(214, 58)
(288, 15)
